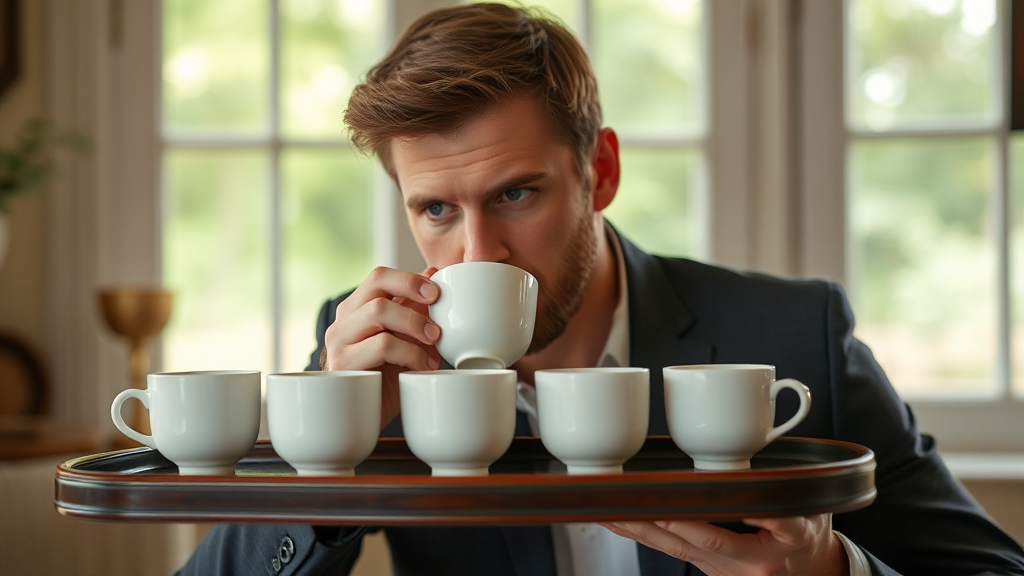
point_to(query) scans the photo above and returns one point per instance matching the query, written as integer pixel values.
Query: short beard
(564, 298)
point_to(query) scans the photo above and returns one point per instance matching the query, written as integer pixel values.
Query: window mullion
(587, 23)
(275, 239)
(1001, 225)
(1002, 215)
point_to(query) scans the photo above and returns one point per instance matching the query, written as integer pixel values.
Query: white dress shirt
(587, 549)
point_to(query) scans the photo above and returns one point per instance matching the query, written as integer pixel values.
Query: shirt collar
(616, 348)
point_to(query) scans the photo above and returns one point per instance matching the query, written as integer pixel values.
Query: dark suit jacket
(683, 312)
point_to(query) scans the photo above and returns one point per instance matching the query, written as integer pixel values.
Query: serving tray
(792, 476)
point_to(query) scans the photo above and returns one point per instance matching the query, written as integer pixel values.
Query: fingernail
(432, 331)
(428, 291)
(433, 363)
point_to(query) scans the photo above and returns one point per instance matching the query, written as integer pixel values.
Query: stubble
(560, 303)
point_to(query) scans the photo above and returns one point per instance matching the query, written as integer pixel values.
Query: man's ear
(605, 168)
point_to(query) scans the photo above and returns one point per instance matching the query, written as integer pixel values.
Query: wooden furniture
(792, 476)
(24, 385)
(25, 429)
(22, 438)
(10, 44)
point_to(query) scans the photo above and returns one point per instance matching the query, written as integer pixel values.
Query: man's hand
(801, 546)
(383, 325)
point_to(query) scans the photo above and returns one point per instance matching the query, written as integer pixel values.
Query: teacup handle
(801, 413)
(115, 415)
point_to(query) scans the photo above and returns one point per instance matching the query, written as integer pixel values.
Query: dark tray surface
(527, 485)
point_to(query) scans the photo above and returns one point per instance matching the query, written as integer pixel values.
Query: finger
(379, 350)
(384, 315)
(385, 282)
(430, 350)
(653, 536)
(777, 525)
(618, 528)
(708, 539)
(422, 308)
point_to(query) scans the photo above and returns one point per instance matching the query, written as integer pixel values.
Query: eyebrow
(421, 202)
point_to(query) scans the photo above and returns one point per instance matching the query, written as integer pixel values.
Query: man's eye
(436, 210)
(516, 194)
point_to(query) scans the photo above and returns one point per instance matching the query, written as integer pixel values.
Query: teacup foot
(721, 465)
(330, 472)
(206, 470)
(459, 471)
(583, 470)
(479, 363)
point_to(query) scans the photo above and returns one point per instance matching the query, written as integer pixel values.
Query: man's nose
(484, 240)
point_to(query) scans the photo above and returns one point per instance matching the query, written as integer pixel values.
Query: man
(487, 118)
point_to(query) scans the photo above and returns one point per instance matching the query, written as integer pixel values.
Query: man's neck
(586, 334)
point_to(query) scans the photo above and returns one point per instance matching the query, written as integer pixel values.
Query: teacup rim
(595, 370)
(459, 372)
(207, 373)
(720, 367)
(322, 373)
(484, 263)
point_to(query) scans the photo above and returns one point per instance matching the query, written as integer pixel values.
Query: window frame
(104, 216)
(959, 425)
(393, 243)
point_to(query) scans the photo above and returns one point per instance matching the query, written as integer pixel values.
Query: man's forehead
(507, 138)
(518, 118)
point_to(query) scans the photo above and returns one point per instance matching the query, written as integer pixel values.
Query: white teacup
(720, 415)
(593, 419)
(486, 312)
(205, 422)
(324, 423)
(458, 421)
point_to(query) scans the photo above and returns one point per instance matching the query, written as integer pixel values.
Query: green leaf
(31, 161)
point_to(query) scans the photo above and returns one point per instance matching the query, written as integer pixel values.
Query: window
(930, 203)
(773, 135)
(927, 181)
(927, 187)
(649, 60)
(254, 142)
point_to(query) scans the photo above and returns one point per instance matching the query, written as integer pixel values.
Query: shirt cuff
(858, 561)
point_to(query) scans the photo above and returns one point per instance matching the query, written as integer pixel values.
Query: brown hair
(453, 63)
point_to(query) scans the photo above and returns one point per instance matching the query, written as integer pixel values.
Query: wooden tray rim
(863, 460)
(541, 497)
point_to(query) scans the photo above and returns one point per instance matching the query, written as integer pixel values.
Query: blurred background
(253, 141)
(864, 141)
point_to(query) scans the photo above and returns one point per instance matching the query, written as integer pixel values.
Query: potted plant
(27, 165)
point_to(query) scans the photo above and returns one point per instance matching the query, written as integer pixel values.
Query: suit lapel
(658, 324)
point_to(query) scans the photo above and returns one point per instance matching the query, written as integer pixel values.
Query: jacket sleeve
(276, 550)
(923, 521)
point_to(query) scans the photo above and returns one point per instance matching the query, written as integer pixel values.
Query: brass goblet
(138, 314)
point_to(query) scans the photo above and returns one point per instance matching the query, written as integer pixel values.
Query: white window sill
(985, 466)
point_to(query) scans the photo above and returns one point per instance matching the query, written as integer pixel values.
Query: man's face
(503, 188)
